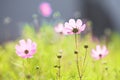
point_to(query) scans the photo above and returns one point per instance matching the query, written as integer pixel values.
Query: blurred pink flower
(73, 27)
(60, 29)
(99, 53)
(26, 49)
(45, 9)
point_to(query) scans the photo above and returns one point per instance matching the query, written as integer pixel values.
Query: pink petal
(19, 48)
(65, 31)
(95, 55)
(34, 45)
(72, 23)
(94, 52)
(104, 49)
(59, 28)
(33, 48)
(68, 26)
(22, 43)
(28, 44)
(29, 55)
(19, 53)
(79, 23)
(106, 52)
(98, 48)
(29, 41)
(32, 51)
(82, 28)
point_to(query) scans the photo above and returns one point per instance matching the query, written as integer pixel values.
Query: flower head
(99, 53)
(45, 9)
(26, 49)
(73, 27)
(60, 29)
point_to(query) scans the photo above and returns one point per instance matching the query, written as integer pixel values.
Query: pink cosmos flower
(99, 53)
(45, 9)
(73, 27)
(60, 29)
(26, 49)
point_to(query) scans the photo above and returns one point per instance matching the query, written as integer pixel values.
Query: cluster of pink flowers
(77, 27)
(26, 49)
(71, 27)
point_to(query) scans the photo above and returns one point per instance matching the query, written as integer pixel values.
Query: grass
(41, 66)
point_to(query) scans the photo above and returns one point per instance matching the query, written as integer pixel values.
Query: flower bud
(37, 67)
(86, 46)
(59, 56)
(28, 76)
(75, 52)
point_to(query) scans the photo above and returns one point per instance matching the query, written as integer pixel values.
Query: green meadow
(42, 66)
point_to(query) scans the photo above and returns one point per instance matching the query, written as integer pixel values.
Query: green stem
(84, 61)
(59, 70)
(76, 41)
(77, 62)
(24, 69)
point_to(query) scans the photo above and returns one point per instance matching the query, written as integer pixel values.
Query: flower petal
(33, 45)
(98, 48)
(19, 48)
(67, 25)
(28, 44)
(68, 29)
(72, 23)
(79, 23)
(104, 50)
(22, 43)
(59, 27)
(82, 28)
(94, 54)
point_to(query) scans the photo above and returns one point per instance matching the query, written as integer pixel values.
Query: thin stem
(84, 61)
(24, 69)
(59, 70)
(28, 76)
(37, 73)
(83, 66)
(101, 67)
(78, 66)
(28, 72)
(76, 41)
(77, 62)
(85, 57)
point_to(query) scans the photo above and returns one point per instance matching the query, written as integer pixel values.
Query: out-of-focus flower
(73, 27)
(60, 29)
(26, 49)
(99, 53)
(45, 9)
